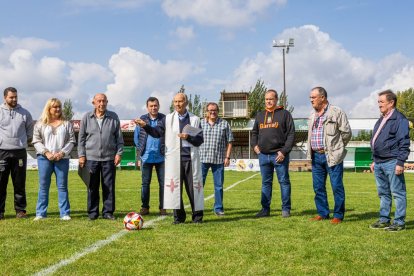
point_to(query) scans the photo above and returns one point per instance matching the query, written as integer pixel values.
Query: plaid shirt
(216, 138)
(317, 142)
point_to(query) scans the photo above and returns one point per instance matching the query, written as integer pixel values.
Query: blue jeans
(388, 183)
(46, 168)
(268, 164)
(146, 175)
(218, 177)
(320, 170)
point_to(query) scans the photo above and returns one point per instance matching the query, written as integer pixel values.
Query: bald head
(180, 103)
(100, 95)
(100, 102)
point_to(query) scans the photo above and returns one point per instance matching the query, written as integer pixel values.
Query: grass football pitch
(236, 244)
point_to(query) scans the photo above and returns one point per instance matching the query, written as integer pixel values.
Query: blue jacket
(393, 141)
(140, 136)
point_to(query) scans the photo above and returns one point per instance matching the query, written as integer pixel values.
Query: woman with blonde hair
(53, 139)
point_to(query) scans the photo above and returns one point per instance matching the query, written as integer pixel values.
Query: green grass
(235, 244)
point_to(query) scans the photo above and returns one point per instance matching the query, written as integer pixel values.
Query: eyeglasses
(214, 110)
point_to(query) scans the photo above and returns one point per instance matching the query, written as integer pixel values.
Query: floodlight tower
(285, 48)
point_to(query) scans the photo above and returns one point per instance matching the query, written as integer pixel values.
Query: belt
(320, 151)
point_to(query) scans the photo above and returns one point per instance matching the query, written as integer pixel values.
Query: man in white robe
(182, 160)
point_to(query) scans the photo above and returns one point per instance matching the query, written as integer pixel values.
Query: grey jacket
(100, 144)
(39, 138)
(336, 135)
(16, 127)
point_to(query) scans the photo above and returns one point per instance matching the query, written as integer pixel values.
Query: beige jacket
(336, 133)
(39, 138)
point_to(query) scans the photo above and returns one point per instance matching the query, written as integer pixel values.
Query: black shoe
(285, 214)
(109, 216)
(395, 227)
(1, 216)
(92, 218)
(21, 215)
(263, 213)
(197, 221)
(144, 211)
(219, 213)
(380, 225)
(177, 222)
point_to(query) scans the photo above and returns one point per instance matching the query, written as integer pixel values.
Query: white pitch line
(99, 244)
(231, 186)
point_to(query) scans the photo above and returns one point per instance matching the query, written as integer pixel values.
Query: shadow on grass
(349, 215)
(313, 212)
(362, 216)
(54, 214)
(233, 214)
(409, 225)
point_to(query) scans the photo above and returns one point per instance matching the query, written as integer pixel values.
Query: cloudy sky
(132, 49)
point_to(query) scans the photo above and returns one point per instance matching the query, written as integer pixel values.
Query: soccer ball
(133, 221)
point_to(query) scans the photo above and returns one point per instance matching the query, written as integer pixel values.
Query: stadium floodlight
(285, 48)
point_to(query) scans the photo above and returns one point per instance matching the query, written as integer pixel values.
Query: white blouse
(54, 138)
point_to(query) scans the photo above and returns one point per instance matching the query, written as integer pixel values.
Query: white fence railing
(234, 109)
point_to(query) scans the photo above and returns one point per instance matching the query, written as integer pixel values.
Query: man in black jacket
(273, 137)
(151, 153)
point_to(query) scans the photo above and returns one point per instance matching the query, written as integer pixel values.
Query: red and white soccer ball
(133, 221)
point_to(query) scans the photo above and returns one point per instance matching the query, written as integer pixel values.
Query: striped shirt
(317, 142)
(216, 138)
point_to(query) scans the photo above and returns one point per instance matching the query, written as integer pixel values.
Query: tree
(257, 98)
(363, 135)
(67, 110)
(405, 104)
(195, 106)
(284, 102)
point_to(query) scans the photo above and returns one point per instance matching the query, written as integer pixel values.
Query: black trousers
(101, 172)
(13, 162)
(187, 178)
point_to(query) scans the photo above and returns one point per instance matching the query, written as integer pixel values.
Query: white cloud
(86, 79)
(32, 44)
(180, 37)
(38, 79)
(29, 43)
(399, 81)
(318, 60)
(19, 67)
(130, 78)
(184, 33)
(29, 73)
(223, 13)
(83, 72)
(137, 76)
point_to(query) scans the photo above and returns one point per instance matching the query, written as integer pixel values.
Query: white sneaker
(38, 218)
(66, 217)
